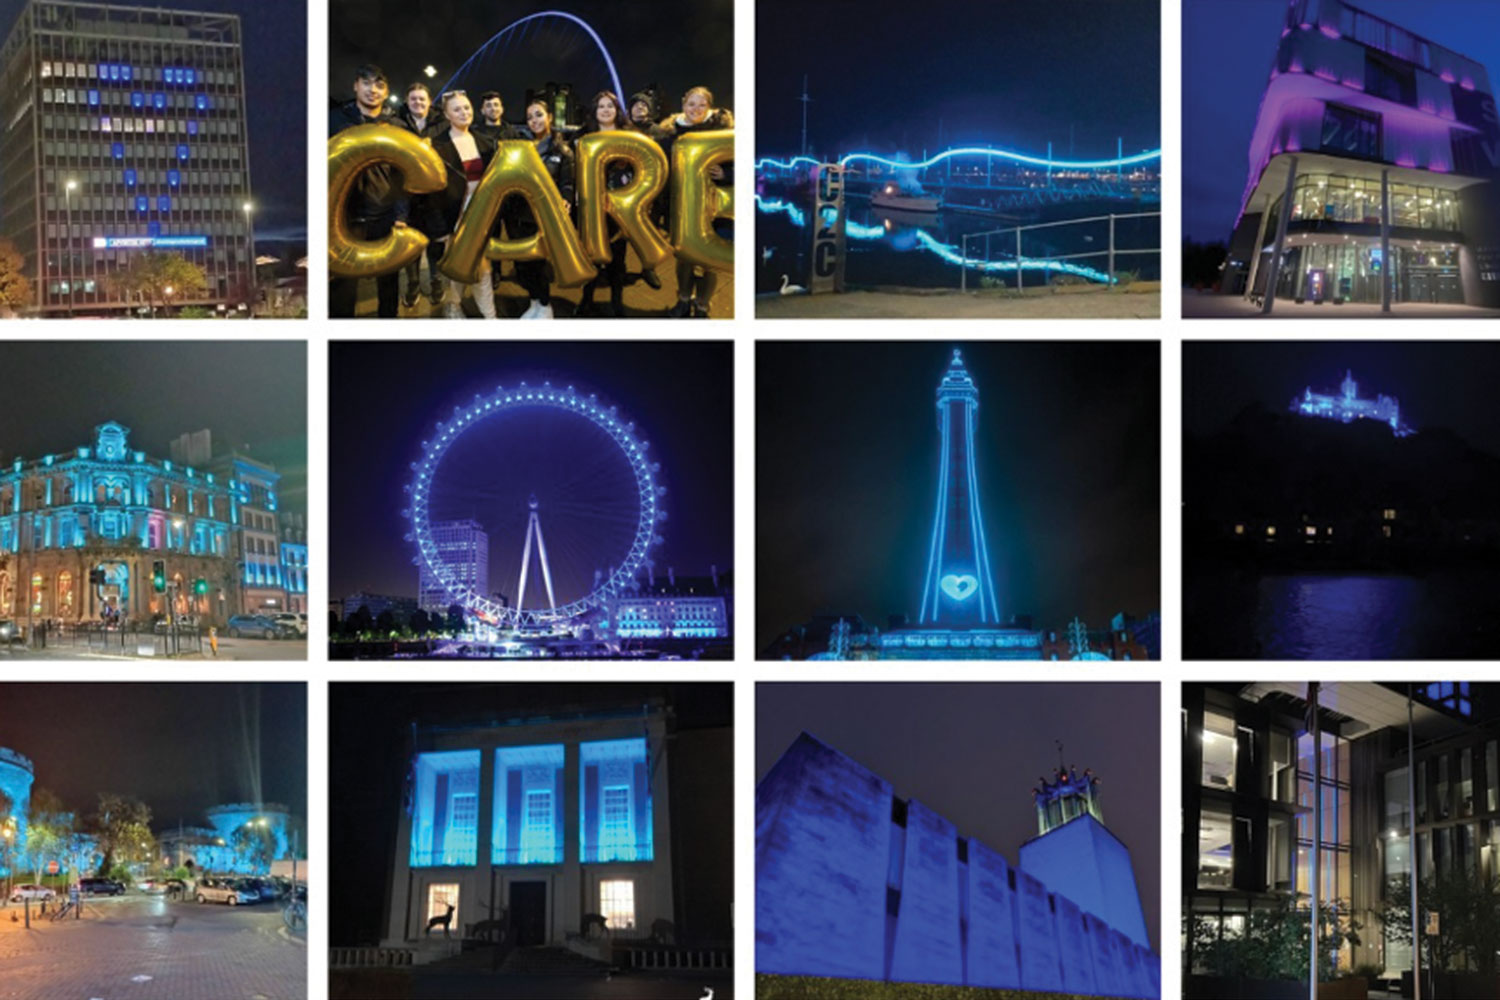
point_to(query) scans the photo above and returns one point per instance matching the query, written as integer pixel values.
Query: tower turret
(1065, 797)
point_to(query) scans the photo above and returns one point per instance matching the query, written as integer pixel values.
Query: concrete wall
(850, 884)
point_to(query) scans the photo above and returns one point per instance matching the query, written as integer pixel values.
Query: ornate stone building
(80, 533)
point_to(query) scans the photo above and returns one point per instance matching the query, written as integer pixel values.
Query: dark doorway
(528, 912)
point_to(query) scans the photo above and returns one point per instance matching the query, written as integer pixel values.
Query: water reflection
(1339, 617)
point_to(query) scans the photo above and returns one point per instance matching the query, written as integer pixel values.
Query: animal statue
(663, 932)
(445, 921)
(493, 930)
(592, 921)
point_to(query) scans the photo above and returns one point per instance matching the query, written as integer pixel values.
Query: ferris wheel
(568, 502)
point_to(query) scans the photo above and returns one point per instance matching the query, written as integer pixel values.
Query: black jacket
(444, 207)
(435, 122)
(505, 130)
(376, 197)
(666, 133)
(557, 157)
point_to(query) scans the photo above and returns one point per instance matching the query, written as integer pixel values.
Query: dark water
(901, 252)
(1311, 616)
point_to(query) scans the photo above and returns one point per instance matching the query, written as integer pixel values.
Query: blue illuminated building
(855, 882)
(156, 94)
(16, 776)
(1348, 407)
(541, 817)
(232, 842)
(109, 508)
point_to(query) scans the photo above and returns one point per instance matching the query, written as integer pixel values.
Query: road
(229, 649)
(137, 947)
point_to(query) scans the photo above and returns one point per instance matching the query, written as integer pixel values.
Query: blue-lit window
(130, 177)
(202, 102)
(445, 813)
(192, 128)
(159, 101)
(164, 203)
(142, 203)
(93, 98)
(117, 150)
(174, 177)
(188, 76)
(1452, 696)
(103, 73)
(616, 801)
(182, 151)
(114, 73)
(125, 73)
(153, 229)
(137, 99)
(528, 824)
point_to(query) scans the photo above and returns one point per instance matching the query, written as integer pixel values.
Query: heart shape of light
(959, 587)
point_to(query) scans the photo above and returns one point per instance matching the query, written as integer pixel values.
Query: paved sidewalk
(136, 948)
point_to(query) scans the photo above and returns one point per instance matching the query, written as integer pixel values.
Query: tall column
(1385, 241)
(568, 905)
(1274, 277)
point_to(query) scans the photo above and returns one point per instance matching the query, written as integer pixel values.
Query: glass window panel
(1466, 782)
(1218, 750)
(1215, 849)
(617, 904)
(445, 809)
(1397, 803)
(441, 901)
(528, 822)
(615, 801)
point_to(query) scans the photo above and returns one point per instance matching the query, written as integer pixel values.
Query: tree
(123, 825)
(15, 287)
(1274, 944)
(386, 623)
(48, 826)
(254, 846)
(455, 626)
(161, 278)
(1468, 910)
(420, 623)
(360, 622)
(335, 627)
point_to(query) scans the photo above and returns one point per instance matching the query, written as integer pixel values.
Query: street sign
(1432, 923)
(53, 868)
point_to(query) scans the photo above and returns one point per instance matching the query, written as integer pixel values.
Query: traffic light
(200, 586)
(159, 576)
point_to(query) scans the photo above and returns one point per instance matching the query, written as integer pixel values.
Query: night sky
(369, 738)
(846, 462)
(675, 44)
(385, 398)
(180, 748)
(252, 396)
(274, 36)
(943, 72)
(1228, 47)
(1439, 384)
(973, 752)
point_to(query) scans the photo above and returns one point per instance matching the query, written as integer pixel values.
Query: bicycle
(295, 915)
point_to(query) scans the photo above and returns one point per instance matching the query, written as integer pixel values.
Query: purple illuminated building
(1373, 170)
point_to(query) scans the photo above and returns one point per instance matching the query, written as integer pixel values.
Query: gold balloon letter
(517, 169)
(629, 205)
(350, 153)
(697, 201)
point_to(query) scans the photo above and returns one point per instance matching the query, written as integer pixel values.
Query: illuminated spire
(958, 588)
(1066, 797)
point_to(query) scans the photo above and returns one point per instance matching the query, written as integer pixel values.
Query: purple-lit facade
(1374, 170)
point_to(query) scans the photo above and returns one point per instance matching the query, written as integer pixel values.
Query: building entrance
(528, 912)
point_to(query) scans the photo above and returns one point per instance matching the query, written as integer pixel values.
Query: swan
(787, 289)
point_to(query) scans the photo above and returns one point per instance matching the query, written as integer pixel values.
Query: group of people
(466, 145)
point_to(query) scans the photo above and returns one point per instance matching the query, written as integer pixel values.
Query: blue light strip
(613, 75)
(987, 151)
(980, 569)
(939, 518)
(947, 251)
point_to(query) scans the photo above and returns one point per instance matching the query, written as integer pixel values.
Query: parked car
(297, 622)
(101, 887)
(223, 890)
(259, 626)
(263, 887)
(12, 630)
(30, 890)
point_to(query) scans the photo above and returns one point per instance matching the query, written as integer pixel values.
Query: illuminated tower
(959, 589)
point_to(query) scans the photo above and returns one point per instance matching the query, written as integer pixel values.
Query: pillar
(1385, 241)
(1281, 223)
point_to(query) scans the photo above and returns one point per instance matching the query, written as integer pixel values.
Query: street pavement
(229, 649)
(137, 947)
(431, 984)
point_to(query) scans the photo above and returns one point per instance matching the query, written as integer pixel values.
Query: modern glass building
(1374, 169)
(465, 547)
(122, 131)
(1247, 801)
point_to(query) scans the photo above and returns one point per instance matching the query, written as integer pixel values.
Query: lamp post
(249, 207)
(68, 189)
(8, 835)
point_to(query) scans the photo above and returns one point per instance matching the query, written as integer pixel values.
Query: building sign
(827, 272)
(148, 242)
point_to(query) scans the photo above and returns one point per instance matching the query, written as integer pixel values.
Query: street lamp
(430, 71)
(68, 189)
(249, 207)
